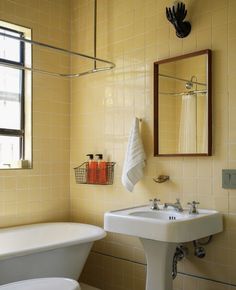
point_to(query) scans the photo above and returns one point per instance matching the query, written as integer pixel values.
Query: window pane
(10, 80)
(9, 150)
(9, 48)
(10, 98)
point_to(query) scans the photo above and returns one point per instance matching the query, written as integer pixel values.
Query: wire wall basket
(100, 176)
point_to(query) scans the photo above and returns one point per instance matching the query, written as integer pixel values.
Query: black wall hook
(176, 16)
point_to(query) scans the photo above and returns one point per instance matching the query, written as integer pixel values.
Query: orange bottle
(102, 170)
(91, 170)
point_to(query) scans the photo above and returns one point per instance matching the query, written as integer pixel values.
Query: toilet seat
(43, 284)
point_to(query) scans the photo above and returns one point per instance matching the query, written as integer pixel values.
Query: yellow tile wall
(134, 34)
(42, 193)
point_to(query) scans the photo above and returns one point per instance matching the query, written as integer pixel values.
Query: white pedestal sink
(160, 231)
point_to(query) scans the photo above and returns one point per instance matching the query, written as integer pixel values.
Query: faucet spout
(177, 205)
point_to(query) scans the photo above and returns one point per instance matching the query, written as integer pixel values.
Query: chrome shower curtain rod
(185, 93)
(182, 80)
(74, 75)
(95, 69)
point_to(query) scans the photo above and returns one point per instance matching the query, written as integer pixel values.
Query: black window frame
(15, 132)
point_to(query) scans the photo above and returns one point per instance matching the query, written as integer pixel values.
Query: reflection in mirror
(182, 105)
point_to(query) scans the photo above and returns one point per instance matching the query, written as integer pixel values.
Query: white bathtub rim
(94, 233)
(41, 283)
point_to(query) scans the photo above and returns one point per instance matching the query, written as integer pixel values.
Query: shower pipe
(66, 51)
(183, 80)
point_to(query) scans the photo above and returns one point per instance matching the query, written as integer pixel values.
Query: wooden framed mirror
(182, 105)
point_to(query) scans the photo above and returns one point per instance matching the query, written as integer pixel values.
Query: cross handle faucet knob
(193, 207)
(154, 203)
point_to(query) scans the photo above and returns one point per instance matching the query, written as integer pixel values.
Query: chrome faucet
(154, 203)
(177, 205)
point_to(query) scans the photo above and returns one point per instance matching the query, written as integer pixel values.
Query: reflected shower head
(189, 85)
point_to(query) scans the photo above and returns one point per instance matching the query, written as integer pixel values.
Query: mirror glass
(182, 105)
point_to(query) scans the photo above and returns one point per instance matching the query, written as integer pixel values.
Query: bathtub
(45, 250)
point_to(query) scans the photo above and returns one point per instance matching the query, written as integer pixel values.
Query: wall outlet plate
(229, 178)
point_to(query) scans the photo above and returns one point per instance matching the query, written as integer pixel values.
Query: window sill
(19, 164)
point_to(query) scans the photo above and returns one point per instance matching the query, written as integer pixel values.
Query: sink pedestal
(159, 257)
(160, 231)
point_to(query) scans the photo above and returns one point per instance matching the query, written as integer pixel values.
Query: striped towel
(134, 159)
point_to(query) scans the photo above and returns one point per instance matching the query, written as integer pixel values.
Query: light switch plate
(229, 178)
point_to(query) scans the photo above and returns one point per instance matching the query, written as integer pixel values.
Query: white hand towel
(134, 159)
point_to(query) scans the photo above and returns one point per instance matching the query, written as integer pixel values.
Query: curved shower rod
(74, 75)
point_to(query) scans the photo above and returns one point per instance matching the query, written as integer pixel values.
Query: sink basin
(165, 225)
(161, 215)
(160, 231)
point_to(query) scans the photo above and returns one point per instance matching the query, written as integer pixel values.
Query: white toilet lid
(43, 284)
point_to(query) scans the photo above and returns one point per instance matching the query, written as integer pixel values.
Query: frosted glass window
(9, 150)
(10, 98)
(15, 97)
(10, 48)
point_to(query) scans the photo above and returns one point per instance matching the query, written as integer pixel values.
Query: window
(14, 98)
